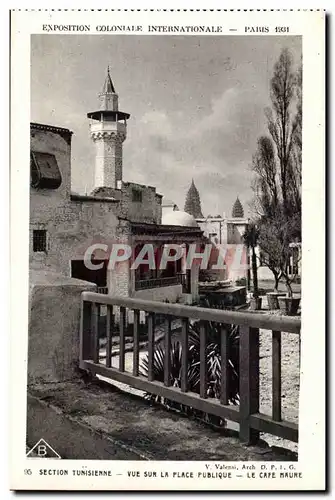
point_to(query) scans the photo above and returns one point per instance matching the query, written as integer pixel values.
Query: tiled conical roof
(108, 85)
(193, 203)
(237, 211)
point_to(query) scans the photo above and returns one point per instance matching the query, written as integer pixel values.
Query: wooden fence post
(249, 382)
(85, 331)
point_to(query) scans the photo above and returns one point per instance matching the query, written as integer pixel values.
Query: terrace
(246, 414)
(93, 408)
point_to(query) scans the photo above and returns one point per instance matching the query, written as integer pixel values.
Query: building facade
(65, 225)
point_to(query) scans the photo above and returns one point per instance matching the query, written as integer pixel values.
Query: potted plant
(271, 256)
(275, 236)
(289, 305)
(272, 298)
(250, 239)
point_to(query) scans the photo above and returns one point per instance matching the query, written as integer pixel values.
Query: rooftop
(179, 218)
(63, 132)
(42, 126)
(84, 197)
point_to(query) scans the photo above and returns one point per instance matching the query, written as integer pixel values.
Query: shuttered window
(44, 171)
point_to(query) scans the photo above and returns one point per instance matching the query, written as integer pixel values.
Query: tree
(277, 168)
(250, 237)
(294, 173)
(271, 251)
(193, 203)
(274, 239)
(266, 191)
(281, 124)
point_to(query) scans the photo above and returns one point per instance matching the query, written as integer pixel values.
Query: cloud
(219, 117)
(168, 149)
(157, 123)
(192, 116)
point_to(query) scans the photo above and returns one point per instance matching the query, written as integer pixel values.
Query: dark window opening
(39, 240)
(44, 171)
(137, 195)
(97, 276)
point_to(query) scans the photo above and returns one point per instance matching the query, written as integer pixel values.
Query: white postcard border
(312, 414)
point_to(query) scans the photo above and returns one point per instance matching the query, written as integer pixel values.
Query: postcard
(167, 246)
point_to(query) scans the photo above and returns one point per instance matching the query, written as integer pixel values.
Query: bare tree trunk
(254, 273)
(248, 274)
(277, 278)
(288, 286)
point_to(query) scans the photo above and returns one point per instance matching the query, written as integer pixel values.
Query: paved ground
(152, 431)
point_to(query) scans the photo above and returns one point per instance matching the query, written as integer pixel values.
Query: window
(44, 171)
(39, 240)
(137, 195)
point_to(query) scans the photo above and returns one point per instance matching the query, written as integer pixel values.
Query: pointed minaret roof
(108, 85)
(108, 103)
(193, 202)
(237, 211)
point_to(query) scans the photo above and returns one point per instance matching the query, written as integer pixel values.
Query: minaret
(237, 211)
(193, 203)
(108, 131)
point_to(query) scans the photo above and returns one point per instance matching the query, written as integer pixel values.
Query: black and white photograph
(167, 270)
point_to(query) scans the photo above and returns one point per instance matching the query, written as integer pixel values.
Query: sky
(196, 103)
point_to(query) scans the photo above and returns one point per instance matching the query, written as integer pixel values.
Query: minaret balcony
(109, 127)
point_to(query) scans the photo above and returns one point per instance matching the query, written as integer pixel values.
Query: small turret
(237, 211)
(193, 203)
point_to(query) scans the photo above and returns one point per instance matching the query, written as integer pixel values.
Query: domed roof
(237, 211)
(179, 218)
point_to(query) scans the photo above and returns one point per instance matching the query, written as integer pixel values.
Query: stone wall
(54, 325)
(74, 223)
(46, 204)
(160, 294)
(149, 209)
(108, 161)
(72, 226)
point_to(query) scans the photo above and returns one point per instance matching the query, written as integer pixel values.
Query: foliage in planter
(206, 275)
(289, 305)
(213, 368)
(241, 282)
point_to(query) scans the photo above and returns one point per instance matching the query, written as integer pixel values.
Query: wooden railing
(102, 289)
(247, 413)
(158, 282)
